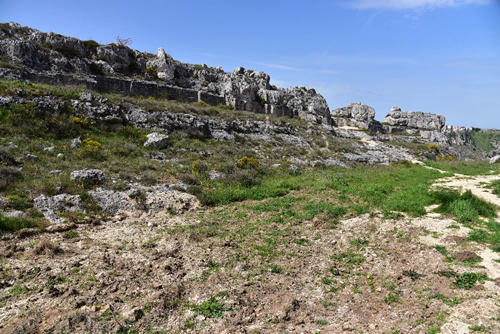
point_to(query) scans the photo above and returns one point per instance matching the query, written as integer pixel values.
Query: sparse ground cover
(369, 249)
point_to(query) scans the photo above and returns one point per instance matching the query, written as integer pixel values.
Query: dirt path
(479, 309)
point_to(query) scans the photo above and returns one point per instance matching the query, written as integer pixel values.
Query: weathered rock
(164, 65)
(75, 142)
(138, 197)
(89, 176)
(156, 140)
(51, 206)
(355, 114)
(414, 119)
(53, 58)
(495, 159)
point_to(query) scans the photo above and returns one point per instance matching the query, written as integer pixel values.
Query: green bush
(468, 280)
(211, 308)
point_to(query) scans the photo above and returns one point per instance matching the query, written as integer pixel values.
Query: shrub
(199, 168)
(91, 44)
(19, 203)
(210, 308)
(9, 175)
(201, 103)
(247, 162)
(91, 148)
(151, 72)
(123, 41)
(468, 280)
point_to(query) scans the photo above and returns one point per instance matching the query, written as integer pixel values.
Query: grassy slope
(282, 219)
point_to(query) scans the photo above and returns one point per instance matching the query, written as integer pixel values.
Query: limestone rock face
(89, 176)
(355, 114)
(51, 206)
(163, 64)
(414, 119)
(57, 59)
(155, 198)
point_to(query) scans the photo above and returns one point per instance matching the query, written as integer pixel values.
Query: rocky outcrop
(397, 119)
(355, 114)
(52, 207)
(57, 59)
(88, 176)
(141, 198)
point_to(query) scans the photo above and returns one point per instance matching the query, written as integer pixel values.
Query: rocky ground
(210, 271)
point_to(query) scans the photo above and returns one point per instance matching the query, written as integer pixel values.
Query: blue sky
(437, 56)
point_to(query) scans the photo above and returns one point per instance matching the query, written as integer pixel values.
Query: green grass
(465, 167)
(12, 224)
(466, 207)
(448, 301)
(483, 139)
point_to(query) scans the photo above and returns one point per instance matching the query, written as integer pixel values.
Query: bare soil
(146, 274)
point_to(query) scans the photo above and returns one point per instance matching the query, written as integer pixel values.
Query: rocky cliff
(26, 53)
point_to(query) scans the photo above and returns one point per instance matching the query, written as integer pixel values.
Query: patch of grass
(349, 258)
(12, 224)
(448, 301)
(321, 322)
(391, 298)
(483, 139)
(441, 249)
(17, 290)
(462, 167)
(479, 328)
(466, 207)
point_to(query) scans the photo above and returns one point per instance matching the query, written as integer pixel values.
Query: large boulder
(414, 120)
(355, 114)
(156, 140)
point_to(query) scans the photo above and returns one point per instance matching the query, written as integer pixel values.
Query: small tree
(123, 41)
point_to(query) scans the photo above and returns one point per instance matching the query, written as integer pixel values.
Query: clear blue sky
(437, 56)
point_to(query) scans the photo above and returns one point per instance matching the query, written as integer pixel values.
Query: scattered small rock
(75, 142)
(31, 157)
(49, 149)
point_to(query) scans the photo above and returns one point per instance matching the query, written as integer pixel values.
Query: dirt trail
(481, 308)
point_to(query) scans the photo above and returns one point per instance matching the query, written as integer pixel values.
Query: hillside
(139, 194)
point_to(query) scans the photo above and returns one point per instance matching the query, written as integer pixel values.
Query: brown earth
(146, 274)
